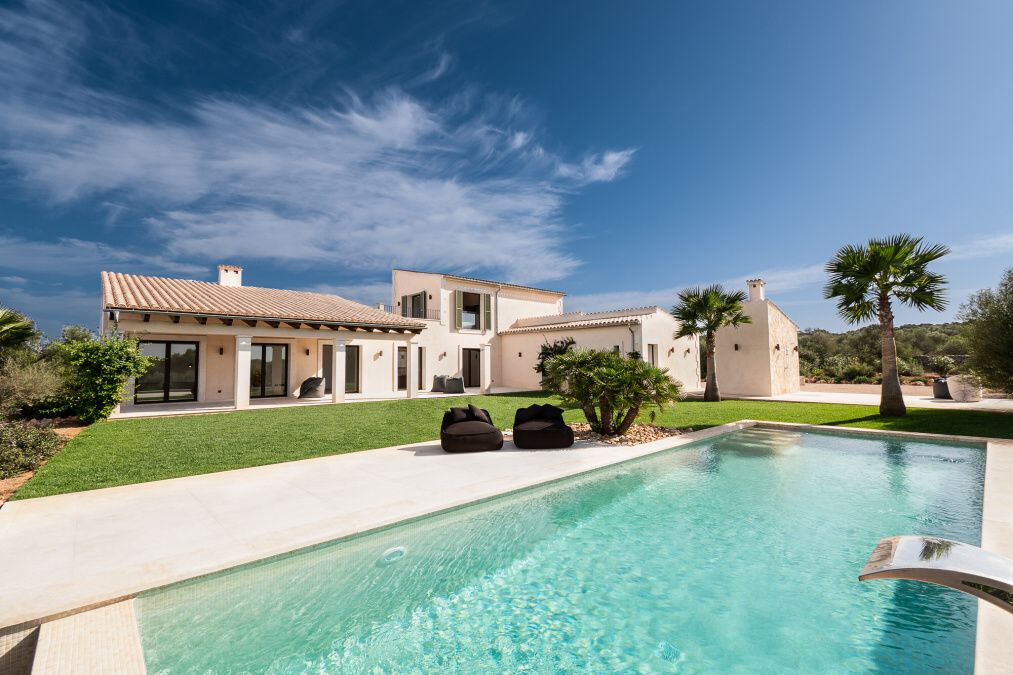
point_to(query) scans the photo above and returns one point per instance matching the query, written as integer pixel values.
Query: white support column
(485, 370)
(242, 374)
(337, 374)
(412, 373)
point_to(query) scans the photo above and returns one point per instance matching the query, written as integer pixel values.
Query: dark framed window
(172, 375)
(351, 369)
(402, 368)
(268, 370)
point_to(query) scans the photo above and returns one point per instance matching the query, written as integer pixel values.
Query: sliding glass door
(268, 370)
(172, 375)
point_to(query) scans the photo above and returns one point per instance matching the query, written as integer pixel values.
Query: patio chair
(541, 427)
(455, 385)
(312, 387)
(469, 430)
(439, 383)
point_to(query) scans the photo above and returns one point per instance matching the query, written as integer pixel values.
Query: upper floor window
(416, 307)
(473, 311)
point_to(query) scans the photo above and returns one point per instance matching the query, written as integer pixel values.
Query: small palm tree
(610, 388)
(704, 311)
(16, 330)
(867, 279)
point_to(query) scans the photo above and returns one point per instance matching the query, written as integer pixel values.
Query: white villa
(221, 346)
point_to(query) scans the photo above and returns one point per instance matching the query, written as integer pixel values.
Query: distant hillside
(856, 353)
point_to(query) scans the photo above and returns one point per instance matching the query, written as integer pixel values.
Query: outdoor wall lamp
(307, 352)
(795, 348)
(686, 353)
(380, 353)
(777, 347)
(221, 351)
(519, 355)
(671, 350)
(736, 346)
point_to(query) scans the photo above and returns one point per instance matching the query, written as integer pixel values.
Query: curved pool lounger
(948, 563)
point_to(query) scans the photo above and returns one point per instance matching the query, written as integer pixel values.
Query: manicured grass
(135, 451)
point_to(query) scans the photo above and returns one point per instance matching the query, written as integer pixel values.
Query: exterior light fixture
(519, 355)
(221, 351)
(736, 346)
(307, 352)
(777, 347)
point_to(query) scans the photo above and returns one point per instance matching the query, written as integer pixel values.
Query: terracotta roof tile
(157, 294)
(573, 325)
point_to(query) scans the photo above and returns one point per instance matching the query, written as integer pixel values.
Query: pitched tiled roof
(133, 292)
(580, 317)
(483, 281)
(573, 325)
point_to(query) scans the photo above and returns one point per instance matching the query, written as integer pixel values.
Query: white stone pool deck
(65, 553)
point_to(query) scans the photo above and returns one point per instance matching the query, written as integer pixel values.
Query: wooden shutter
(486, 311)
(404, 305)
(458, 309)
(422, 305)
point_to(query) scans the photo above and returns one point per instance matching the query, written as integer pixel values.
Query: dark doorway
(351, 368)
(472, 367)
(172, 375)
(402, 368)
(268, 370)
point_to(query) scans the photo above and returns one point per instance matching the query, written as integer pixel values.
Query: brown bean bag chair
(541, 427)
(469, 430)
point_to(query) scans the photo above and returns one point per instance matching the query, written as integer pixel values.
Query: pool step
(99, 641)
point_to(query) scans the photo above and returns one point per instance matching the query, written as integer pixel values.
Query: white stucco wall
(442, 344)
(680, 356)
(766, 361)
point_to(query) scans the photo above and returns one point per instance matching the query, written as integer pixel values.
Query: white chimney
(756, 289)
(230, 275)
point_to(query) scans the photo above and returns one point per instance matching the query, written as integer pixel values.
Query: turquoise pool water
(740, 553)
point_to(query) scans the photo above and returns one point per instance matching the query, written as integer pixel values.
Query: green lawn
(134, 451)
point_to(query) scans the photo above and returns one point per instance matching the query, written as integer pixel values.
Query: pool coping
(993, 652)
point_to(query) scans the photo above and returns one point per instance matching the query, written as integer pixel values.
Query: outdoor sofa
(541, 427)
(469, 430)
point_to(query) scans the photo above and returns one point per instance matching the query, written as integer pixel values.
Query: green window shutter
(404, 305)
(487, 311)
(422, 304)
(458, 309)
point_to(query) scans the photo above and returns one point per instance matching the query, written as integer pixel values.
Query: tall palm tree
(867, 279)
(16, 330)
(703, 311)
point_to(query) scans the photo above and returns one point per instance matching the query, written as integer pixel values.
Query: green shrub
(23, 447)
(549, 349)
(26, 381)
(941, 365)
(909, 367)
(610, 388)
(98, 372)
(989, 334)
(862, 379)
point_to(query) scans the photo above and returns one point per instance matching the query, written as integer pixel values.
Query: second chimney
(756, 289)
(230, 275)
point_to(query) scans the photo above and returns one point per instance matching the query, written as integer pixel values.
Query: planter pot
(939, 388)
(963, 390)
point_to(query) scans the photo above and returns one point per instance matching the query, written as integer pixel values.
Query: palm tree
(704, 311)
(610, 388)
(16, 330)
(867, 279)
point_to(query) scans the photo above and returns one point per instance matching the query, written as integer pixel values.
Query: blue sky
(617, 151)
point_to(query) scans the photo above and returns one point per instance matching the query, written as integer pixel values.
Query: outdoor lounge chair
(469, 430)
(541, 427)
(439, 383)
(312, 387)
(454, 385)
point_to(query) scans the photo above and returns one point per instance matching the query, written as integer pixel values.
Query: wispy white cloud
(360, 185)
(368, 293)
(53, 308)
(778, 280)
(983, 247)
(75, 257)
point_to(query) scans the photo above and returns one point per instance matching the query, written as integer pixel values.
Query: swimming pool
(738, 552)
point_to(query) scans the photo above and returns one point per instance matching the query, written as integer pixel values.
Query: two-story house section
(463, 318)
